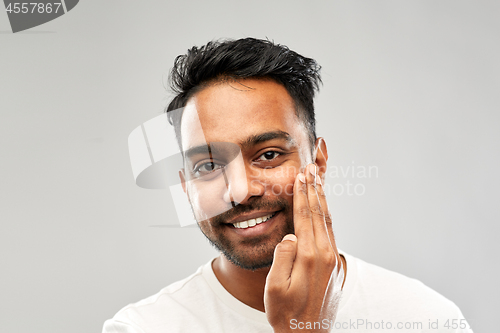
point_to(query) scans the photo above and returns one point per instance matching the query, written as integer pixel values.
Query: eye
(206, 168)
(269, 155)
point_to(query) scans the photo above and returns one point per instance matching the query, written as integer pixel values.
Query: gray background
(409, 86)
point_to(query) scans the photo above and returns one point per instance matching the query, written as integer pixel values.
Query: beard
(251, 253)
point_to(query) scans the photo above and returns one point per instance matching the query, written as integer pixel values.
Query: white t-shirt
(373, 300)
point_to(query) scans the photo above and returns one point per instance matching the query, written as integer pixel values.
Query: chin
(250, 263)
(249, 256)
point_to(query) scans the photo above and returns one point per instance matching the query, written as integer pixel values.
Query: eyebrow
(247, 143)
(267, 136)
(202, 149)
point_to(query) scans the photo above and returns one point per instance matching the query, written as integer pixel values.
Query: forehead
(232, 111)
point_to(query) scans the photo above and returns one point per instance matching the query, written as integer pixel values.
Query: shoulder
(378, 282)
(381, 294)
(170, 307)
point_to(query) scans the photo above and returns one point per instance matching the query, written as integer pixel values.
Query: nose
(240, 183)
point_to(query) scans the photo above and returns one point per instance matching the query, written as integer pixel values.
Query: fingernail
(318, 180)
(312, 170)
(290, 237)
(302, 178)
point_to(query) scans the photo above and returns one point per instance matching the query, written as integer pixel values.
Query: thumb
(284, 256)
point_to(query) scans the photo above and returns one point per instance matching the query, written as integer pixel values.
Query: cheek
(284, 187)
(205, 200)
(282, 190)
(280, 180)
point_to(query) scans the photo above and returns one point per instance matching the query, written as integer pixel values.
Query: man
(254, 172)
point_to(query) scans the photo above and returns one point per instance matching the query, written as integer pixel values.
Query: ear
(182, 177)
(321, 157)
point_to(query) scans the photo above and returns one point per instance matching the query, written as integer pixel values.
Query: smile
(253, 222)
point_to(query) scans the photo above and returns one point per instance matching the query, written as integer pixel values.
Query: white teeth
(252, 222)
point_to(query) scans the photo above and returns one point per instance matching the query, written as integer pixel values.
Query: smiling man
(253, 173)
(257, 115)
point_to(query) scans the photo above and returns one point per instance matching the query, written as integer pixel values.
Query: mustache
(261, 204)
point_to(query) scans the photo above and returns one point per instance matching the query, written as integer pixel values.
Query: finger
(301, 213)
(281, 269)
(328, 216)
(328, 219)
(320, 230)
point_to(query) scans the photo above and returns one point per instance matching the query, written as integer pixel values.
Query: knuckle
(329, 223)
(316, 210)
(273, 289)
(285, 247)
(322, 195)
(330, 259)
(309, 256)
(302, 190)
(303, 212)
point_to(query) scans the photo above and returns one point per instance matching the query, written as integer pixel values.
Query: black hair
(241, 59)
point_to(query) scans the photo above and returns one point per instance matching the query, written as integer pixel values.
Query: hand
(304, 282)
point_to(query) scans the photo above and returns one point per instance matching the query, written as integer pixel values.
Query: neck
(245, 285)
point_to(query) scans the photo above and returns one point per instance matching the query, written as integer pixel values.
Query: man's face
(257, 147)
